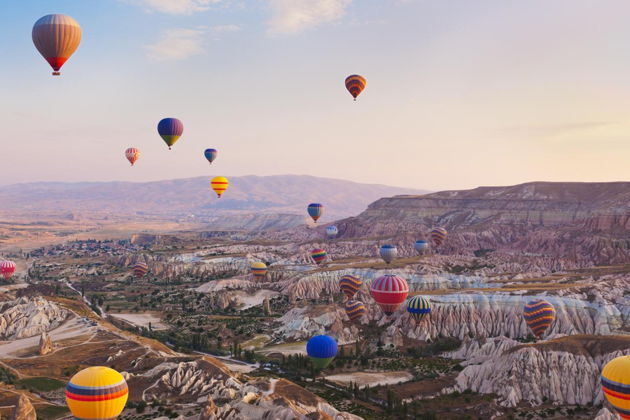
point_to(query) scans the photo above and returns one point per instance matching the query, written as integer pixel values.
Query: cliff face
(26, 317)
(580, 221)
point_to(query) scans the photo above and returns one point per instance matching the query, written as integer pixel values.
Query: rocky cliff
(27, 317)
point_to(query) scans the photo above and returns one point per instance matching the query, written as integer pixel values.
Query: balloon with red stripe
(140, 269)
(616, 385)
(539, 315)
(355, 85)
(219, 185)
(56, 37)
(98, 393)
(318, 255)
(132, 154)
(7, 268)
(389, 292)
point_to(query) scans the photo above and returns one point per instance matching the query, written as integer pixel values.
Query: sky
(459, 93)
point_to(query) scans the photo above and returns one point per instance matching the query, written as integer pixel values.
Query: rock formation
(24, 410)
(27, 317)
(45, 344)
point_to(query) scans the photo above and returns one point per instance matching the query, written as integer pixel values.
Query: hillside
(247, 194)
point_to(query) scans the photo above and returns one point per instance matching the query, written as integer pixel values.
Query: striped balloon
(132, 154)
(97, 392)
(56, 37)
(259, 269)
(389, 292)
(210, 154)
(350, 285)
(331, 231)
(418, 307)
(315, 210)
(616, 384)
(539, 315)
(438, 235)
(355, 309)
(318, 255)
(388, 253)
(219, 185)
(421, 246)
(7, 268)
(170, 129)
(140, 269)
(355, 85)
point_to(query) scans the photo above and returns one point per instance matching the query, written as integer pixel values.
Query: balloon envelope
(7, 268)
(388, 253)
(315, 210)
(259, 269)
(97, 392)
(421, 246)
(56, 37)
(418, 307)
(355, 309)
(170, 129)
(132, 154)
(140, 269)
(355, 85)
(322, 349)
(210, 154)
(318, 255)
(219, 185)
(438, 235)
(331, 231)
(616, 384)
(389, 292)
(539, 315)
(350, 285)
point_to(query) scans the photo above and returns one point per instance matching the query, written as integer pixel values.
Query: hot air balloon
(355, 85)
(56, 37)
(315, 210)
(322, 349)
(7, 268)
(140, 269)
(355, 309)
(211, 154)
(388, 253)
(219, 185)
(259, 269)
(132, 154)
(616, 384)
(350, 285)
(438, 235)
(539, 315)
(170, 129)
(332, 231)
(389, 292)
(418, 307)
(421, 246)
(318, 255)
(97, 392)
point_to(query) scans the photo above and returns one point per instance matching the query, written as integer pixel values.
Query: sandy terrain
(286, 349)
(142, 320)
(371, 378)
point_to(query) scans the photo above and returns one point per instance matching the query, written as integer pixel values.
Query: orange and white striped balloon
(132, 154)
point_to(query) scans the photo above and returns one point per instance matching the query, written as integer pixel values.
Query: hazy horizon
(459, 94)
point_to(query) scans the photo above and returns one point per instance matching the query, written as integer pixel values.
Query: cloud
(177, 44)
(225, 28)
(178, 7)
(291, 16)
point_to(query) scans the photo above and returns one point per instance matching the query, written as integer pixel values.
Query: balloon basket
(56, 73)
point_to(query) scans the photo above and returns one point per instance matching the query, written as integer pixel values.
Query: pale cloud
(291, 16)
(225, 28)
(177, 44)
(178, 7)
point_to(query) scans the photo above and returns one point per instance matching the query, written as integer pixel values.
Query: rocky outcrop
(45, 344)
(24, 410)
(27, 317)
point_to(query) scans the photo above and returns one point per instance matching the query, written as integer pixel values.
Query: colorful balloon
(322, 349)
(616, 385)
(350, 285)
(388, 253)
(7, 268)
(389, 292)
(355, 309)
(97, 392)
(259, 270)
(331, 231)
(421, 246)
(539, 315)
(318, 255)
(355, 85)
(132, 154)
(211, 154)
(315, 210)
(438, 235)
(219, 185)
(140, 269)
(56, 37)
(418, 307)
(170, 129)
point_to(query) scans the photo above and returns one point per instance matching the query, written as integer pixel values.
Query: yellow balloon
(219, 185)
(97, 393)
(259, 269)
(616, 384)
